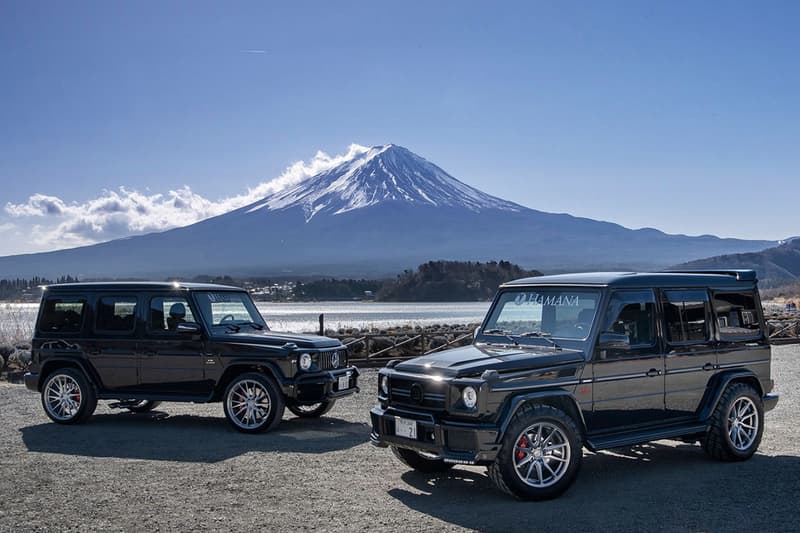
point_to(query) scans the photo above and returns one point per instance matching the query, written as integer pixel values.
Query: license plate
(403, 427)
(344, 382)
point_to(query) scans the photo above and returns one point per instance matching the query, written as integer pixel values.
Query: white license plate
(403, 427)
(344, 382)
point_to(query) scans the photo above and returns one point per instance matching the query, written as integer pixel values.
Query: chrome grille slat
(325, 359)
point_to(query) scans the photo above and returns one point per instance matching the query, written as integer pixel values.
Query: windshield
(545, 312)
(232, 309)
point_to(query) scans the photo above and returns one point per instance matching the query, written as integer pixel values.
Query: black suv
(144, 343)
(586, 360)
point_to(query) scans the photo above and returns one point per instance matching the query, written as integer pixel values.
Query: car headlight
(385, 385)
(305, 361)
(470, 397)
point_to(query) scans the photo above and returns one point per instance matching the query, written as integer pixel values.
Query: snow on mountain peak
(384, 173)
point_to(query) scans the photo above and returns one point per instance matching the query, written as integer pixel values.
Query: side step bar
(627, 439)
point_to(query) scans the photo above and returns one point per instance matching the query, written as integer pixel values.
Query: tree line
(19, 288)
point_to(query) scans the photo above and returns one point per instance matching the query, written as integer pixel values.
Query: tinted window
(632, 313)
(736, 315)
(116, 314)
(167, 312)
(685, 313)
(228, 308)
(62, 315)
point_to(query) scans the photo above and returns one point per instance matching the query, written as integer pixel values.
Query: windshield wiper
(503, 332)
(540, 335)
(231, 326)
(254, 325)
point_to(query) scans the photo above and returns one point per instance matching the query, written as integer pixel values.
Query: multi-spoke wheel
(311, 411)
(420, 461)
(144, 406)
(67, 397)
(541, 454)
(253, 403)
(736, 425)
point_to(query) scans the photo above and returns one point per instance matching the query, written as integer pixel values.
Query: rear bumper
(453, 442)
(320, 386)
(31, 381)
(770, 401)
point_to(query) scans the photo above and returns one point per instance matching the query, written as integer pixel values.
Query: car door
(112, 348)
(627, 364)
(691, 356)
(171, 361)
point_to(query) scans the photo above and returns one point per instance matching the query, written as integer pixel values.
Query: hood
(474, 359)
(274, 338)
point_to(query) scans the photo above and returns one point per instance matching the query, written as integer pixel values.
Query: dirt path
(183, 468)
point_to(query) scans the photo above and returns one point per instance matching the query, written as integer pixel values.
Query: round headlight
(305, 361)
(385, 385)
(470, 397)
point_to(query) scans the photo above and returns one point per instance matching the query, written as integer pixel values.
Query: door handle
(93, 351)
(149, 353)
(653, 373)
(708, 367)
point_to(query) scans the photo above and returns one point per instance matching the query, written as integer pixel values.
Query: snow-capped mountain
(387, 173)
(381, 211)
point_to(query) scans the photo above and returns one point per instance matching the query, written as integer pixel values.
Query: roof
(645, 279)
(139, 286)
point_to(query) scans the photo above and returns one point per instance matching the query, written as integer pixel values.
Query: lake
(16, 320)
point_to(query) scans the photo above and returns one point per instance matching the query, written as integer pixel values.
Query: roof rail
(742, 274)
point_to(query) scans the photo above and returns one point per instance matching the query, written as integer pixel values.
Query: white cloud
(124, 212)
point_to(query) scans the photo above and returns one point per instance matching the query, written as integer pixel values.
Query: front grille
(418, 393)
(325, 360)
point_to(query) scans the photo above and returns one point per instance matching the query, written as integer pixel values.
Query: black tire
(75, 388)
(419, 463)
(266, 396)
(145, 406)
(723, 441)
(310, 411)
(560, 432)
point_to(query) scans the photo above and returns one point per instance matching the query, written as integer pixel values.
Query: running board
(628, 439)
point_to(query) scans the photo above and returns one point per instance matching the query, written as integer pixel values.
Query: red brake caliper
(521, 444)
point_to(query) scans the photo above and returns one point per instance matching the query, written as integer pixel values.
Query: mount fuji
(383, 210)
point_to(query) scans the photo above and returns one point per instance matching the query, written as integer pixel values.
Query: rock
(20, 359)
(381, 343)
(437, 341)
(354, 346)
(6, 350)
(23, 346)
(2, 362)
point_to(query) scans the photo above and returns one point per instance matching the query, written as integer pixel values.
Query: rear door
(691, 357)
(172, 362)
(628, 382)
(112, 347)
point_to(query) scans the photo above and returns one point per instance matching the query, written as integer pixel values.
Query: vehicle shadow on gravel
(649, 487)
(160, 437)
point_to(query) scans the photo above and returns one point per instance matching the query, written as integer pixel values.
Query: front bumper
(454, 442)
(31, 381)
(321, 386)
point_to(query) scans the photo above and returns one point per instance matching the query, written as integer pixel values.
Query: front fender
(558, 398)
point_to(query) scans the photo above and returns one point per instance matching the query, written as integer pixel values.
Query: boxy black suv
(586, 360)
(143, 343)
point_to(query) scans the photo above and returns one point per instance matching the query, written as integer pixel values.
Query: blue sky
(678, 115)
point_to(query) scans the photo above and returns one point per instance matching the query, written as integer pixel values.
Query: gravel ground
(183, 468)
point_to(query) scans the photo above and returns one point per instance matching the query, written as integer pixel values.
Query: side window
(62, 315)
(737, 316)
(631, 313)
(685, 313)
(116, 314)
(166, 312)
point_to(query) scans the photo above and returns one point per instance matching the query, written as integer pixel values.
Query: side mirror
(188, 328)
(613, 341)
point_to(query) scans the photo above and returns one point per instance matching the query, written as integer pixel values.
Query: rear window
(686, 316)
(62, 315)
(116, 314)
(737, 317)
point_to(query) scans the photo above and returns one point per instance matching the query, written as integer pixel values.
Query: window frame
(63, 299)
(652, 292)
(165, 332)
(757, 333)
(709, 319)
(115, 332)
